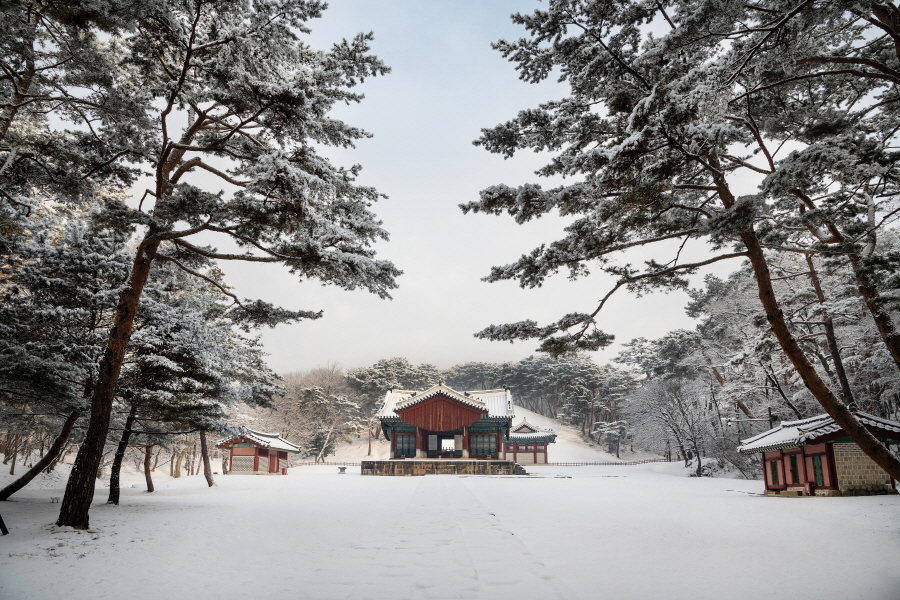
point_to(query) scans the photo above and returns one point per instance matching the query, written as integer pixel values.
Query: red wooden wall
(440, 414)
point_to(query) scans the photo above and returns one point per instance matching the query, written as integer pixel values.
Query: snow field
(578, 532)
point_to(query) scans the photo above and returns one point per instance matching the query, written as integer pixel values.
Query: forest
(146, 146)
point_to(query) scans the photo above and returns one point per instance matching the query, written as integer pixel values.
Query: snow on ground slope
(620, 532)
(358, 450)
(569, 445)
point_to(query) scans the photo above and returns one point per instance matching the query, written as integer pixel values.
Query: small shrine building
(257, 453)
(527, 444)
(814, 456)
(443, 423)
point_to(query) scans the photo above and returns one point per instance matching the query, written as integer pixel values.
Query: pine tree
(58, 301)
(650, 130)
(238, 96)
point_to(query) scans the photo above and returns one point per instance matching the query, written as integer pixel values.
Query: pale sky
(446, 84)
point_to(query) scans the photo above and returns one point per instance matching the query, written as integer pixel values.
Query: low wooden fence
(325, 464)
(624, 463)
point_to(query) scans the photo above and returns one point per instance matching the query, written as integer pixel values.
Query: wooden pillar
(421, 447)
(466, 439)
(497, 444)
(893, 481)
(393, 453)
(832, 467)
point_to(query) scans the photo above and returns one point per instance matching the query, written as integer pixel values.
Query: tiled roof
(793, 434)
(526, 432)
(273, 441)
(496, 403)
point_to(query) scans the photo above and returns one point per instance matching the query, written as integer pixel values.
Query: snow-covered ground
(618, 532)
(579, 532)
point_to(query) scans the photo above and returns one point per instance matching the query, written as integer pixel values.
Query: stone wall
(857, 473)
(408, 467)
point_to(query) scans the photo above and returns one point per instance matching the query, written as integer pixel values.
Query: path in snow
(449, 545)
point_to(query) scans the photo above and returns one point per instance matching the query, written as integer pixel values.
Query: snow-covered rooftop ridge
(496, 403)
(525, 425)
(525, 431)
(273, 441)
(792, 434)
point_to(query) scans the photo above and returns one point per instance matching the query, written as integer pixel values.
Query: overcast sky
(446, 84)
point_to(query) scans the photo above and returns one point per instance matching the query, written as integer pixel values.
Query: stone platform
(419, 467)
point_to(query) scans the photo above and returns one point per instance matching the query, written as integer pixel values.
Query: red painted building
(443, 423)
(815, 456)
(257, 453)
(527, 444)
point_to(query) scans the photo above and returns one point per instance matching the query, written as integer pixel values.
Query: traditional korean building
(442, 423)
(815, 456)
(527, 444)
(257, 453)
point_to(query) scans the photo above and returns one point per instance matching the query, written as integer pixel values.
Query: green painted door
(817, 468)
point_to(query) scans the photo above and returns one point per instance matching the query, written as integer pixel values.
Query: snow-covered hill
(570, 446)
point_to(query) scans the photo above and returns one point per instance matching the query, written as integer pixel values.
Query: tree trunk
(10, 447)
(75, 507)
(181, 454)
(12, 460)
(828, 324)
(883, 321)
(204, 451)
(866, 288)
(774, 381)
(48, 459)
(156, 460)
(321, 455)
(120, 456)
(680, 444)
(721, 381)
(148, 454)
(60, 456)
(831, 403)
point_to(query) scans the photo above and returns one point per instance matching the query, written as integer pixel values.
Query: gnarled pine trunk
(79, 493)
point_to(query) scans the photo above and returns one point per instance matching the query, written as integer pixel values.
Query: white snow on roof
(496, 403)
(792, 434)
(525, 432)
(273, 441)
